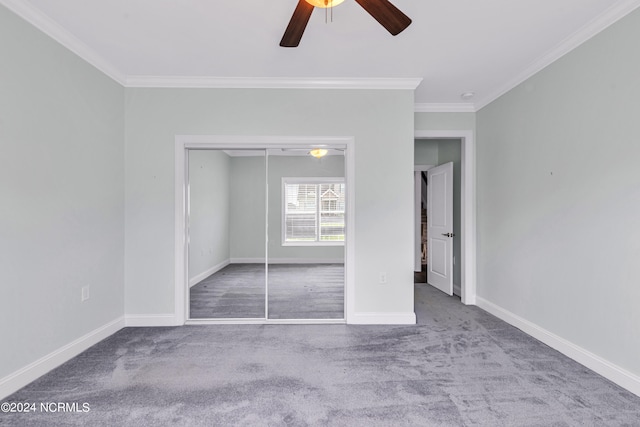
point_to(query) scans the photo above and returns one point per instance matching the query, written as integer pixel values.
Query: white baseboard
(382, 319)
(612, 372)
(288, 261)
(136, 320)
(247, 260)
(200, 277)
(15, 381)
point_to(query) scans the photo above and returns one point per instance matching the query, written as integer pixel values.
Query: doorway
(282, 256)
(440, 208)
(465, 196)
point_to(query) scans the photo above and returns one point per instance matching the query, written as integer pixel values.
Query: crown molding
(462, 107)
(601, 22)
(271, 82)
(54, 30)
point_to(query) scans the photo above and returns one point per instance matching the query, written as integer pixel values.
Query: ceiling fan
(389, 16)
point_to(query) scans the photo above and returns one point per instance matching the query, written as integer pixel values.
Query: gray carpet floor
(296, 291)
(458, 367)
(306, 291)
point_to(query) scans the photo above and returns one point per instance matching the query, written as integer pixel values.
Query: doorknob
(448, 234)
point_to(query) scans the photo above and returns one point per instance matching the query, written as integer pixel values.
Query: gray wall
(383, 177)
(426, 152)
(62, 187)
(559, 197)
(209, 210)
(247, 205)
(438, 152)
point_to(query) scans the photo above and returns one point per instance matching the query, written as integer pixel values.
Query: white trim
(15, 381)
(612, 372)
(208, 272)
(383, 319)
(135, 320)
(184, 142)
(258, 142)
(350, 236)
(265, 322)
(313, 243)
(266, 237)
(180, 234)
(614, 13)
(208, 82)
(462, 107)
(467, 206)
(246, 261)
(288, 261)
(54, 30)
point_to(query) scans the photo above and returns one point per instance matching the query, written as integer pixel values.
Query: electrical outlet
(85, 293)
(383, 277)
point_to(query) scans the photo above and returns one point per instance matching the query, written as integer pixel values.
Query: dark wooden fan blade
(389, 16)
(298, 23)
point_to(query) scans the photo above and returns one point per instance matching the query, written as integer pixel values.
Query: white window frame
(315, 181)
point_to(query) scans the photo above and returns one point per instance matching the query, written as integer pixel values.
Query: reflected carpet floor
(296, 291)
(458, 367)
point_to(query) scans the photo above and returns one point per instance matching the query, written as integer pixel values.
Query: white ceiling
(455, 46)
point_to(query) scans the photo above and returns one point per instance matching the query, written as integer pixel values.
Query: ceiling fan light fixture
(324, 3)
(318, 152)
(387, 15)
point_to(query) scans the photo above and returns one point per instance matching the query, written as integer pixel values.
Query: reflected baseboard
(288, 260)
(200, 277)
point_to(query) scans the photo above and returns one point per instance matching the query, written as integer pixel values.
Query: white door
(440, 227)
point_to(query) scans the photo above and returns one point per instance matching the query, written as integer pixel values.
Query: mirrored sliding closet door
(306, 234)
(266, 234)
(226, 232)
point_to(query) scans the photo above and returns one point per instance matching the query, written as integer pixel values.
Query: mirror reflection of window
(314, 211)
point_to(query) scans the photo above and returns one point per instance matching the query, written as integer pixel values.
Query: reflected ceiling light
(324, 3)
(318, 152)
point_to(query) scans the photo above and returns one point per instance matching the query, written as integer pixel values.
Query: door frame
(467, 207)
(185, 142)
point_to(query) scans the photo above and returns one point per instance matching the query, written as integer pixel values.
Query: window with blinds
(313, 212)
